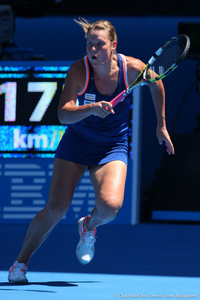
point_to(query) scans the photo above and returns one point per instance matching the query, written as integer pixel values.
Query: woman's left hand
(163, 136)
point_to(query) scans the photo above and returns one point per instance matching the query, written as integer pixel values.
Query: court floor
(47, 285)
(147, 261)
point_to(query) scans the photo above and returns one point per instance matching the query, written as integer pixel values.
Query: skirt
(91, 153)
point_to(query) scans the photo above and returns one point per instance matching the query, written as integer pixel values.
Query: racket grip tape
(119, 98)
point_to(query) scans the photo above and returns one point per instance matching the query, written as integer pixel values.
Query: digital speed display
(29, 96)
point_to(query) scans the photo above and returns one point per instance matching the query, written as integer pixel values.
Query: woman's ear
(114, 46)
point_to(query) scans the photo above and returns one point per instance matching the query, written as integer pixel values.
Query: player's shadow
(47, 283)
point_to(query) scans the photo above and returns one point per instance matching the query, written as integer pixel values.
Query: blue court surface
(100, 287)
(147, 261)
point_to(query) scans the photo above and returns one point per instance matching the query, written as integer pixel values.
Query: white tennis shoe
(17, 273)
(85, 249)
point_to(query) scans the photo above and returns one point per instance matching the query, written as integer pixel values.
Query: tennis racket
(164, 61)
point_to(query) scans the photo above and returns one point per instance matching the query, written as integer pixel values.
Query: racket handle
(119, 98)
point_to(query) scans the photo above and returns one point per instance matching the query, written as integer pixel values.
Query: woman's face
(99, 47)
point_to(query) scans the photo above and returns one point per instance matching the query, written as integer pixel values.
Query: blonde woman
(96, 138)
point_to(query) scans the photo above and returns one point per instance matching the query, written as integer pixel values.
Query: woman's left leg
(109, 184)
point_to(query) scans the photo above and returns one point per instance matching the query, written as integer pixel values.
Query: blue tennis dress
(95, 140)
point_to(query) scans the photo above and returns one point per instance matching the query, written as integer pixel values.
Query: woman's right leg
(66, 176)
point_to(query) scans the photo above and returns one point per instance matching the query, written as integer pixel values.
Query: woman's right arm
(68, 112)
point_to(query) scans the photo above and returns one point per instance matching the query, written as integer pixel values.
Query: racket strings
(170, 55)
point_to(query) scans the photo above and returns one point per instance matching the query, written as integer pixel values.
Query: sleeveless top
(96, 140)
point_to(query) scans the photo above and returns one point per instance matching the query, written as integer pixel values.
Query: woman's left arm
(158, 96)
(134, 67)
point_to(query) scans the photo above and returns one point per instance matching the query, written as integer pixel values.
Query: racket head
(167, 58)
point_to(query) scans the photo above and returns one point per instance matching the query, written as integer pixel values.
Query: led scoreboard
(29, 96)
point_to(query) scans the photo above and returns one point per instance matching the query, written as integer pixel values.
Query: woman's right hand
(102, 109)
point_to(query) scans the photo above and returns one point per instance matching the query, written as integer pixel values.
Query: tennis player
(96, 138)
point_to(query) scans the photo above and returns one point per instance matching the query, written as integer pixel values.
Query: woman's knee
(108, 210)
(56, 209)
